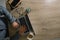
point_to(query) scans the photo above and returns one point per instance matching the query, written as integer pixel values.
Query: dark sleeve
(8, 15)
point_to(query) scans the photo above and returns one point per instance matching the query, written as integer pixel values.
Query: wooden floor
(45, 18)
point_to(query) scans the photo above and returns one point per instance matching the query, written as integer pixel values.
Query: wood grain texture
(45, 18)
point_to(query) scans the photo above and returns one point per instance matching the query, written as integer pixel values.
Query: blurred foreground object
(24, 20)
(25, 26)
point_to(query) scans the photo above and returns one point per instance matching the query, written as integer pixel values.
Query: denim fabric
(2, 34)
(3, 3)
(6, 14)
(3, 11)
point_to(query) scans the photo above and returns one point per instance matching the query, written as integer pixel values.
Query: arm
(10, 17)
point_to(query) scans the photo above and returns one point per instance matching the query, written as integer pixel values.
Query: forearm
(8, 15)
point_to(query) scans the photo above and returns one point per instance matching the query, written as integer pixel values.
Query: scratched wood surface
(45, 18)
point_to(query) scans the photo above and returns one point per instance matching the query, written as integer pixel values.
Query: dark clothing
(3, 26)
(5, 13)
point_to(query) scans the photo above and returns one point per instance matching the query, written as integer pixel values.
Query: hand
(15, 24)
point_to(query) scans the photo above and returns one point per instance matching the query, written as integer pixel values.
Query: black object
(25, 21)
(13, 4)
